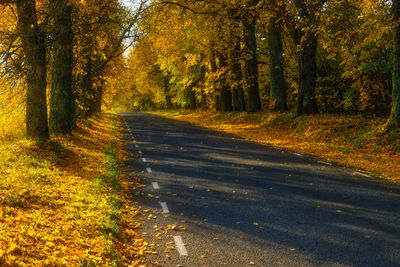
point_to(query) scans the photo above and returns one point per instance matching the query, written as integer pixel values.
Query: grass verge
(66, 202)
(351, 141)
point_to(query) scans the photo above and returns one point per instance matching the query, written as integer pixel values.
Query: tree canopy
(325, 56)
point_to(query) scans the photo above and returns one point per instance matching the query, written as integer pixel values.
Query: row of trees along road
(307, 56)
(71, 43)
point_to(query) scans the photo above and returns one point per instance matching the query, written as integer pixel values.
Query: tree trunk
(61, 100)
(86, 85)
(33, 44)
(394, 118)
(190, 96)
(203, 101)
(98, 96)
(213, 65)
(224, 88)
(251, 64)
(278, 83)
(306, 103)
(238, 102)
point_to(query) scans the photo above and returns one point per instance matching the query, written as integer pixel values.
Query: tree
(224, 89)
(306, 37)
(33, 44)
(235, 69)
(61, 100)
(277, 84)
(249, 20)
(394, 118)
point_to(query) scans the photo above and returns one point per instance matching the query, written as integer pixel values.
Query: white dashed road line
(144, 160)
(298, 154)
(155, 185)
(149, 170)
(164, 207)
(140, 152)
(325, 163)
(362, 174)
(136, 146)
(180, 247)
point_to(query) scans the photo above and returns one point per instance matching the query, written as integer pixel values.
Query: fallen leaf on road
(171, 227)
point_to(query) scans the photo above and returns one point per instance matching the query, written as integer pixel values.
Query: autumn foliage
(65, 202)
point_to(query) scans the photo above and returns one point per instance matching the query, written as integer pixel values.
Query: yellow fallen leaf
(171, 227)
(252, 263)
(255, 223)
(50, 244)
(203, 256)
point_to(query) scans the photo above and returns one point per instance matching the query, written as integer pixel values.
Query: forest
(325, 72)
(63, 60)
(335, 57)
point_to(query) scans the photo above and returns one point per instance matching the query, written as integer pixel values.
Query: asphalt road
(237, 203)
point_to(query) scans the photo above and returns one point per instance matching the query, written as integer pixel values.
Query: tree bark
(251, 64)
(33, 44)
(61, 99)
(190, 96)
(98, 95)
(86, 85)
(203, 101)
(278, 84)
(238, 102)
(394, 118)
(306, 102)
(224, 88)
(214, 69)
(307, 40)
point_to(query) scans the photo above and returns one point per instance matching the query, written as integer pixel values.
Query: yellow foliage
(52, 209)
